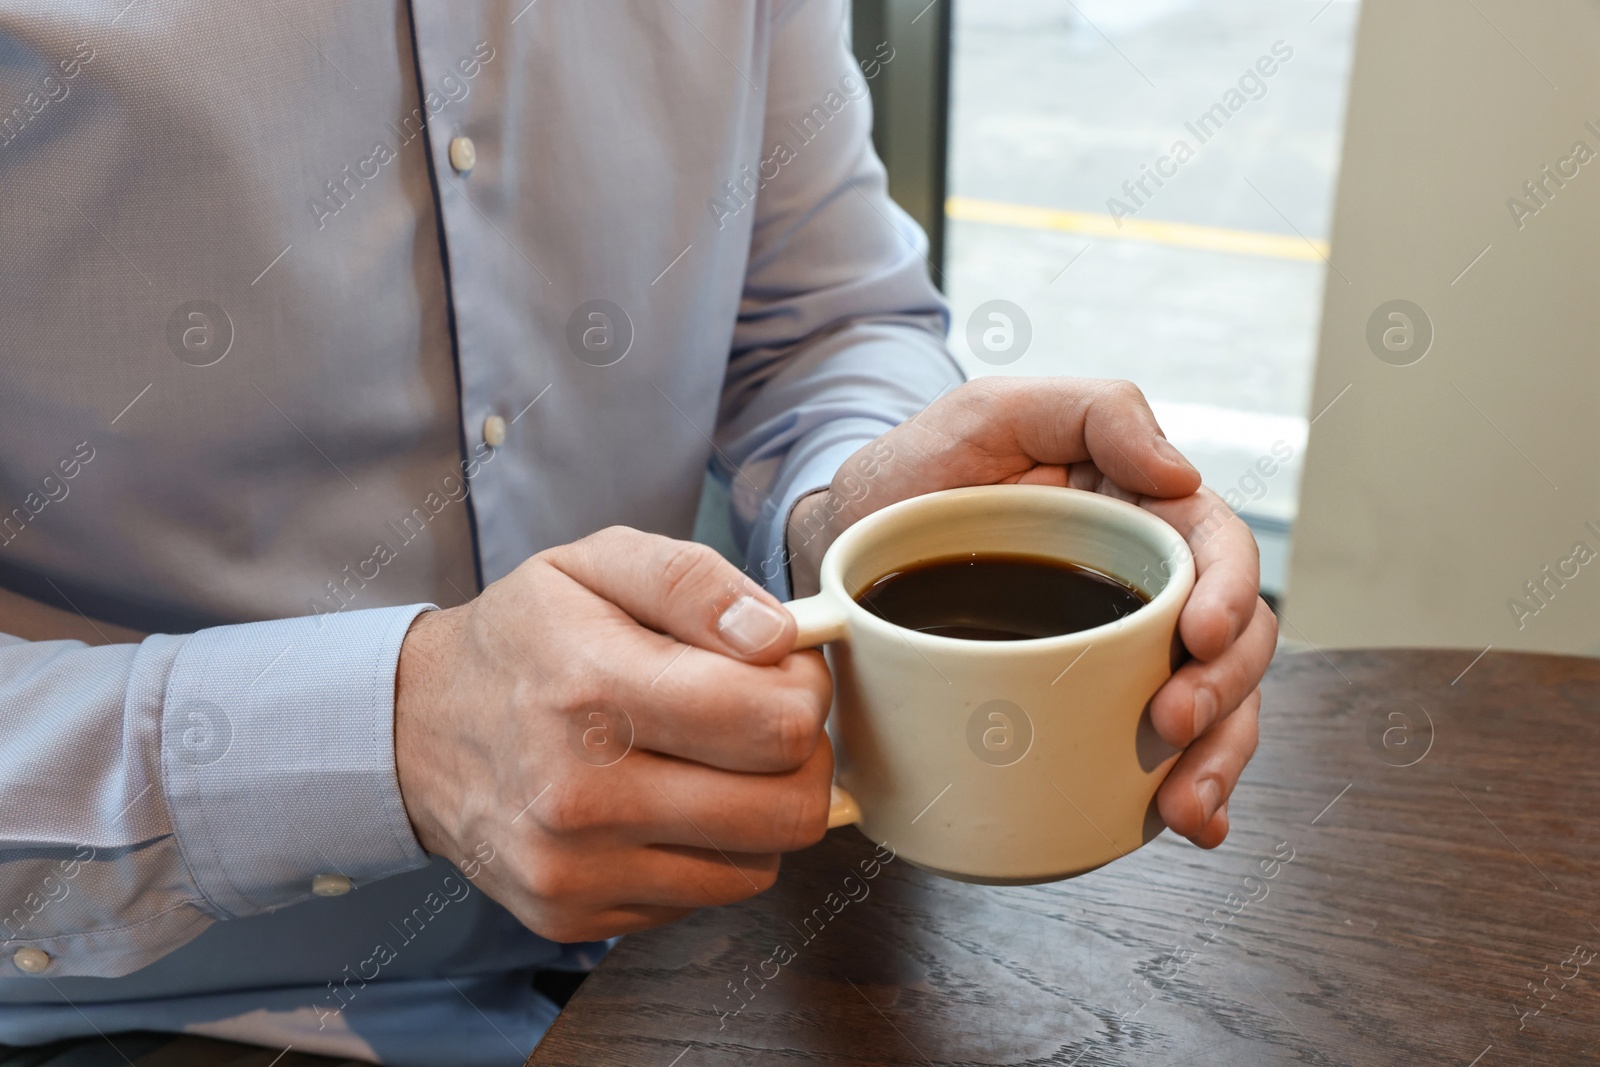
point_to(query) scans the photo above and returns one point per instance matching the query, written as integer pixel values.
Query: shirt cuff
(810, 465)
(278, 757)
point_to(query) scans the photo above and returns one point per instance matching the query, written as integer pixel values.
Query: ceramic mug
(1000, 762)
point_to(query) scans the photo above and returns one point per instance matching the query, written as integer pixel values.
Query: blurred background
(1208, 296)
(1346, 249)
(1039, 181)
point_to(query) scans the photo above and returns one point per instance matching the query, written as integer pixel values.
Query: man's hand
(512, 714)
(1099, 436)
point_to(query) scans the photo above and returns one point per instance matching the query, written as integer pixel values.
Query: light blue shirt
(282, 364)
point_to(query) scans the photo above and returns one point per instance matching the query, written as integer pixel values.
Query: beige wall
(1421, 515)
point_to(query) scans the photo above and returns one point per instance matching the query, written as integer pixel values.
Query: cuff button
(31, 960)
(331, 885)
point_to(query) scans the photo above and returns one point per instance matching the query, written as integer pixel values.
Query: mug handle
(821, 619)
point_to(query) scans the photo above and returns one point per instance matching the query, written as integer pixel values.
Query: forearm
(840, 335)
(830, 400)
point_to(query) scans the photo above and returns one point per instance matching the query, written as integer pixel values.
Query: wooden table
(1414, 851)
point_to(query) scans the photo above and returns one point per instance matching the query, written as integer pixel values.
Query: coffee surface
(992, 597)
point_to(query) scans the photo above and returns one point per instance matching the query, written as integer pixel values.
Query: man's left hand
(1099, 436)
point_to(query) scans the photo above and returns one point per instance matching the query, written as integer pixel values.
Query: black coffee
(999, 598)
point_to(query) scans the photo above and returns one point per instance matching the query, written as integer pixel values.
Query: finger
(1216, 831)
(679, 877)
(1042, 474)
(680, 588)
(614, 922)
(575, 926)
(1227, 571)
(1068, 420)
(1206, 773)
(648, 691)
(647, 799)
(997, 429)
(1087, 476)
(1202, 692)
(700, 706)
(592, 893)
(701, 807)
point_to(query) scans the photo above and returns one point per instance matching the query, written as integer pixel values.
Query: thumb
(1021, 422)
(1126, 443)
(682, 589)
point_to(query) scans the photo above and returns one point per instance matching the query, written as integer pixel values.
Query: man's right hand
(512, 714)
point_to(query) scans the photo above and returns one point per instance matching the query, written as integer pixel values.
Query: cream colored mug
(1001, 762)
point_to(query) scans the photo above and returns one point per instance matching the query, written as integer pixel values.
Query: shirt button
(31, 960)
(463, 154)
(494, 431)
(331, 885)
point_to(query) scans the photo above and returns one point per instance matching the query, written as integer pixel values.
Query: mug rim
(1169, 599)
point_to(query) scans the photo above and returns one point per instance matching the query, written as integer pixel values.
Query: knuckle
(1252, 734)
(687, 564)
(527, 694)
(795, 729)
(610, 536)
(764, 878)
(1269, 620)
(1232, 681)
(1216, 506)
(548, 884)
(815, 679)
(1122, 390)
(729, 885)
(596, 548)
(567, 930)
(977, 387)
(564, 811)
(1231, 687)
(803, 818)
(582, 688)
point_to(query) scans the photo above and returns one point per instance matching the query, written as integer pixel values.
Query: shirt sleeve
(149, 790)
(840, 335)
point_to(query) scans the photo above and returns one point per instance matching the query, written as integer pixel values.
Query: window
(1143, 189)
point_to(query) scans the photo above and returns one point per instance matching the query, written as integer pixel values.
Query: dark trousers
(159, 1050)
(182, 1050)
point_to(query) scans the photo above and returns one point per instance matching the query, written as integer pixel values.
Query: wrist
(811, 529)
(417, 747)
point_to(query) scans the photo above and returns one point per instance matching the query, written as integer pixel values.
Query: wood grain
(1420, 902)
